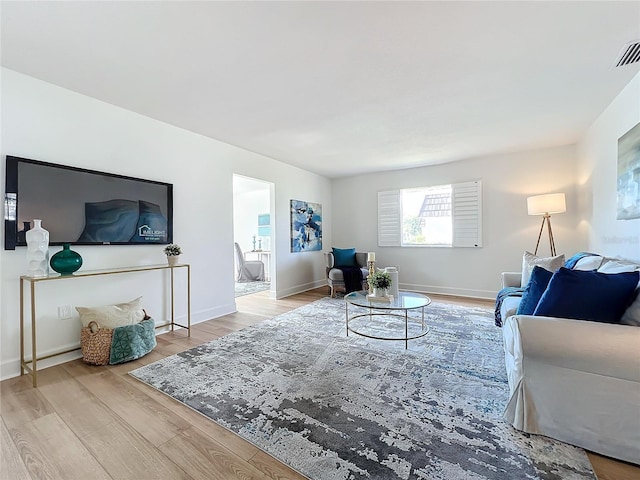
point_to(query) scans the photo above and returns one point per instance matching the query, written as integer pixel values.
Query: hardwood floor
(100, 423)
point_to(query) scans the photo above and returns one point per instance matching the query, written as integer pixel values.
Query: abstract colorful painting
(306, 226)
(629, 174)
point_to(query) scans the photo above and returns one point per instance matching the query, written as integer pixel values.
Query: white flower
(172, 250)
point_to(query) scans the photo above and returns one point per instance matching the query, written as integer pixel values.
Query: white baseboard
(300, 288)
(208, 314)
(11, 368)
(458, 292)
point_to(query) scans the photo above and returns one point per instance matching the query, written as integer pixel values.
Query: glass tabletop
(404, 301)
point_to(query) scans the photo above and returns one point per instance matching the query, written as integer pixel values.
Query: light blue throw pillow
(344, 257)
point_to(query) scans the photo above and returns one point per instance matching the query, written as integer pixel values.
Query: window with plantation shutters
(443, 215)
(466, 204)
(389, 218)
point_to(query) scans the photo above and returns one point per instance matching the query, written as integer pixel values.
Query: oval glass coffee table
(399, 308)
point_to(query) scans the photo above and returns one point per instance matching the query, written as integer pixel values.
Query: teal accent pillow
(344, 257)
(588, 295)
(537, 285)
(130, 342)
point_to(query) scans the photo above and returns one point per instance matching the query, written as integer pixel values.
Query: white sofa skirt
(575, 381)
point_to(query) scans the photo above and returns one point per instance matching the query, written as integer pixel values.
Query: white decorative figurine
(37, 250)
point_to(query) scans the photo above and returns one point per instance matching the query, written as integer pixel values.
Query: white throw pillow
(631, 315)
(592, 262)
(529, 260)
(618, 266)
(112, 316)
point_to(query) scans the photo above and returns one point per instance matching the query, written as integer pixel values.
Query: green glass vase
(66, 261)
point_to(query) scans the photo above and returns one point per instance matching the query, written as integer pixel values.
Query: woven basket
(96, 344)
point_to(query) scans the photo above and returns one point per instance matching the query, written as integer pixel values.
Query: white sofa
(573, 380)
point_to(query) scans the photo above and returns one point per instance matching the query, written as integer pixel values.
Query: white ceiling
(339, 88)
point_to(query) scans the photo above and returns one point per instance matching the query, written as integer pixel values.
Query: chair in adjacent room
(248, 270)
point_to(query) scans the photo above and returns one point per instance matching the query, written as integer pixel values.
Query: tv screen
(85, 207)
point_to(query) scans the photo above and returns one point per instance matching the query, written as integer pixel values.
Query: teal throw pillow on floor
(130, 342)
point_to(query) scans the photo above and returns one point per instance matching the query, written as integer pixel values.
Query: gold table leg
(346, 313)
(189, 300)
(21, 327)
(34, 356)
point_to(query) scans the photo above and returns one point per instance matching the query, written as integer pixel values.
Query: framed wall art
(306, 226)
(629, 174)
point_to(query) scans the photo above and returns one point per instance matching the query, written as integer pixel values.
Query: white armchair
(248, 270)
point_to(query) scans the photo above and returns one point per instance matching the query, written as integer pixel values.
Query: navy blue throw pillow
(533, 291)
(344, 257)
(587, 295)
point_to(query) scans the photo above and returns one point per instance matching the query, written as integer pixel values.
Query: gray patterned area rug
(247, 288)
(337, 407)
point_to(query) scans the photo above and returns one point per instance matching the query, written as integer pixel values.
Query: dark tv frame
(11, 187)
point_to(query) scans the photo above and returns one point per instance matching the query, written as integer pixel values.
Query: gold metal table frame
(406, 301)
(30, 366)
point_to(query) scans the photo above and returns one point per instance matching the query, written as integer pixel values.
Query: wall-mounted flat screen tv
(84, 207)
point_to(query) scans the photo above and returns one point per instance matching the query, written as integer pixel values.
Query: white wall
(45, 122)
(507, 180)
(598, 171)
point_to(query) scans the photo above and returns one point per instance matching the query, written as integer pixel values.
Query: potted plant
(380, 281)
(172, 251)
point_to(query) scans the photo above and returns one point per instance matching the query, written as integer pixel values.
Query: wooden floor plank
(204, 459)
(216, 330)
(153, 421)
(21, 403)
(238, 320)
(133, 431)
(150, 357)
(117, 446)
(50, 449)
(168, 348)
(11, 464)
(187, 343)
(125, 454)
(273, 469)
(80, 409)
(611, 469)
(233, 442)
(198, 337)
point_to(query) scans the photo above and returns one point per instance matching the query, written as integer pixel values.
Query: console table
(33, 281)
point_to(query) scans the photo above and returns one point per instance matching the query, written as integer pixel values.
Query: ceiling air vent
(630, 54)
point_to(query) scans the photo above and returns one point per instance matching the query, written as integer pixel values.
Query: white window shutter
(467, 214)
(389, 219)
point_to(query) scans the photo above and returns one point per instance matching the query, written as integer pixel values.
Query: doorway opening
(253, 235)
